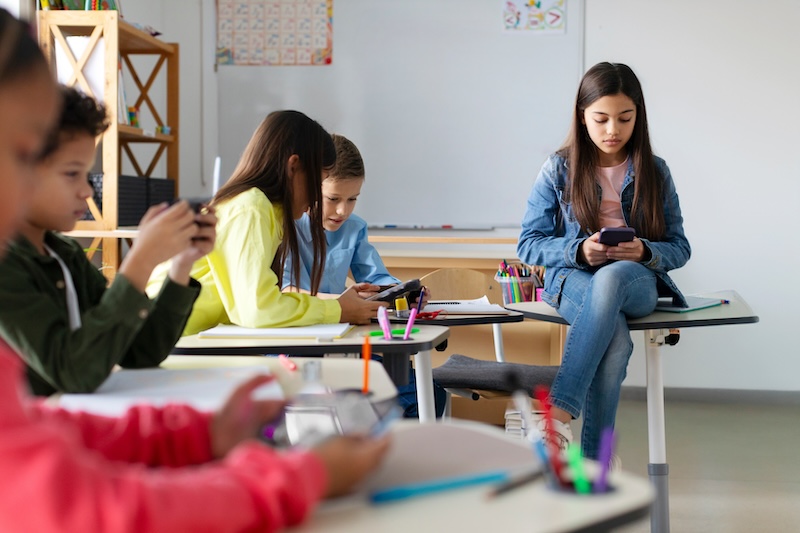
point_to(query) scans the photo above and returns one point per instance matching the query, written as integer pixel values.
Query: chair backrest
(462, 284)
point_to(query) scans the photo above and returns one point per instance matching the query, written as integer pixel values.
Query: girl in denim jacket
(605, 175)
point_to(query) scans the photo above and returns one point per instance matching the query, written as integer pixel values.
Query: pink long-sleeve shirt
(75, 472)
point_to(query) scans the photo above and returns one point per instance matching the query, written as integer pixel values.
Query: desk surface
(426, 339)
(463, 320)
(533, 508)
(338, 374)
(735, 312)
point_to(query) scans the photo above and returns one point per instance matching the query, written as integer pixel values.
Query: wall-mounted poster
(274, 32)
(544, 16)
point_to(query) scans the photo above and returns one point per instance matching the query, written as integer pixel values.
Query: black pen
(419, 302)
(516, 482)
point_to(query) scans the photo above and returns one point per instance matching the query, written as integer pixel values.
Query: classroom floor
(733, 468)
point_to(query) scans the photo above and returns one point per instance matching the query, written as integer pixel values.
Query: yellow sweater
(239, 286)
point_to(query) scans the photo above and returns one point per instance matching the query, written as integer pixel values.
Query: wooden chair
(466, 284)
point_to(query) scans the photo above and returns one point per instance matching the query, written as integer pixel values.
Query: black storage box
(135, 194)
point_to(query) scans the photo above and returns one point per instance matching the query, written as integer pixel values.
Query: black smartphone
(614, 236)
(396, 291)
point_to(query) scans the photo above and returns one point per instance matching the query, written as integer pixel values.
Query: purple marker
(604, 457)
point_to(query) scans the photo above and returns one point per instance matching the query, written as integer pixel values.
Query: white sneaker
(560, 435)
(615, 464)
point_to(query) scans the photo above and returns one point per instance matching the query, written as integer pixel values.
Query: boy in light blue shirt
(348, 249)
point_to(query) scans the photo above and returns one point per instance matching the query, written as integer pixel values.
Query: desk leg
(425, 402)
(499, 352)
(658, 469)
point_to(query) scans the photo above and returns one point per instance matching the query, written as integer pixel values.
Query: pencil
(516, 482)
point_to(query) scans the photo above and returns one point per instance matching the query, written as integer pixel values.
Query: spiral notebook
(694, 303)
(478, 306)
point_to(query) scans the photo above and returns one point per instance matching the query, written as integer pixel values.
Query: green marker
(398, 332)
(575, 462)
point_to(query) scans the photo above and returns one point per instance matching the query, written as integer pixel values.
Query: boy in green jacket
(56, 308)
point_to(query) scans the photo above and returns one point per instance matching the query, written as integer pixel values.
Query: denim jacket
(551, 236)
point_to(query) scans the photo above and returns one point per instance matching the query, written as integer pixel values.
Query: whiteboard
(452, 114)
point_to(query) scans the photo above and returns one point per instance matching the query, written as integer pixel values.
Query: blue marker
(439, 485)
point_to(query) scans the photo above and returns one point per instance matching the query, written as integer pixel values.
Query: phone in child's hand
(614, 236)
(407, 288)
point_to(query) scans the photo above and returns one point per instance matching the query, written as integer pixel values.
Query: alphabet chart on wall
(274, 32)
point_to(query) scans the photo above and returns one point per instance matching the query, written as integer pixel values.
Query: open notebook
(695, 303)
(205, 389)
(478, 306)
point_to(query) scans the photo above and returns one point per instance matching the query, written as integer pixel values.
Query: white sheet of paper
(205, 389)
(320, 331)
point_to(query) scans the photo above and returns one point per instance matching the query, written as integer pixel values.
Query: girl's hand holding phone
(366, 290)
(355, 309)
(596, 253)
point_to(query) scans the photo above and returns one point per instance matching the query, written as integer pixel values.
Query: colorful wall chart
(274, 32)
(545, 16)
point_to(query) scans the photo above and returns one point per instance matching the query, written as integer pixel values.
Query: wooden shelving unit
(121, 41)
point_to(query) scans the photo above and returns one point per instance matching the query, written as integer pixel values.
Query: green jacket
(119, 325)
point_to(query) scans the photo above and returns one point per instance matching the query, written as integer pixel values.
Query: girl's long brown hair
(264, 164)
(647, 213)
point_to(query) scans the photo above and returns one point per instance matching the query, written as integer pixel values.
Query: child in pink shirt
(152, 470)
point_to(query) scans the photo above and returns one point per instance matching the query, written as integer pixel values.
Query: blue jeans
(598, 346)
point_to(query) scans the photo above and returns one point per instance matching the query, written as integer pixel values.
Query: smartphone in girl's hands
(614, 236)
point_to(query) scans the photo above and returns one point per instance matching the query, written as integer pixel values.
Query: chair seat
(491, 377)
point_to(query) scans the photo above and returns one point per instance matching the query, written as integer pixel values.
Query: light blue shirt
(348, 251)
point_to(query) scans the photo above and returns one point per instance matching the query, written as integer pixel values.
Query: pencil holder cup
(591, 483)
(516, 289)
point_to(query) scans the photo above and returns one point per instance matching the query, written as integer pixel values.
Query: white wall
(720, 80)
(182, 21)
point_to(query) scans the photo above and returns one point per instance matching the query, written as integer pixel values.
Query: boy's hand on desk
(356, 310)
(349, 459)
(242, 417)
(365, 290)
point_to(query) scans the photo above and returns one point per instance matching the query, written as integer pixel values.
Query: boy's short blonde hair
(349, 164)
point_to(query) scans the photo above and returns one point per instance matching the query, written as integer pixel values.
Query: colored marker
(555, 461)
(411, 490)
(383, 321)
(419, 302)
(394, 332)
(604, 457)
(287, 363)
(579, 478)
(366, 354)
(410, 324)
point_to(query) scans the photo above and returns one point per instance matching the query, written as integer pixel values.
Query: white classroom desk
(656, 327)
(419, 346)
(534, 508)
(337, 374)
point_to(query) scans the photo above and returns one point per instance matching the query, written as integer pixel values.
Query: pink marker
(411, 319)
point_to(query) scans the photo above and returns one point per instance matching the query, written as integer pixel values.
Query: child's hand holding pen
(422, 300)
